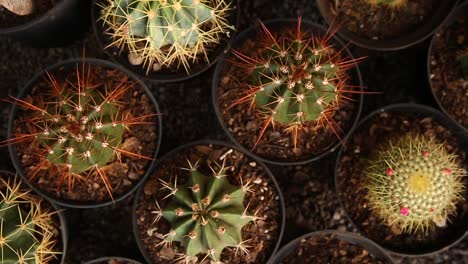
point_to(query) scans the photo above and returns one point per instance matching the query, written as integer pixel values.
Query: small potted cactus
(401, 177)
(165, 40)
(208, 201)
(32, 231)
(112, 260)
(448, 67)
(84, 132)
(385, 24)
(44, 23)
(329, 246)
(289, 92)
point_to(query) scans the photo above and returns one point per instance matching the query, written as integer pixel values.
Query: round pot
(62, 24)
(173, 153)
(374, 250)
(24, 92)
(409, 39)
(460, 11)
(456, 230)
(250, 33)
(60, 213)
(105, 259)
(161, 76)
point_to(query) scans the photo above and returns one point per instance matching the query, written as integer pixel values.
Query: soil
(448, 83)
(245, 124)
(115, 261)
(122, 175)
(329, 249)
(9, 19)
(349, 175)
(261, 235)
(379, 22)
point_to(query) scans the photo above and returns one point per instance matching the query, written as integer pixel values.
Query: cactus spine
(413, 183)
(26, 230)
(388, 3)
(206, 214)
(297, 79)
(166, 33)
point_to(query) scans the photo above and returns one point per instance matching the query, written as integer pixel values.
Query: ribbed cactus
(27, 234)
(166, 33)
(297, 79)
(388, 3)
(78, 123)
(206, 214)
(413, 183)
(19, 7)
(463, 60)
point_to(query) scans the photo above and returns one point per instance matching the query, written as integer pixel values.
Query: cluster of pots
(61, 16)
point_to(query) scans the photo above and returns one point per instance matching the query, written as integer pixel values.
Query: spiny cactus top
(297, 78)
(206, 214)
(27, 235)
(19, 7)
(413, 182)
(166, 33)
(388, 3)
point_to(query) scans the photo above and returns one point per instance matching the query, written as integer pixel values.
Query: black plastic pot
(62, 24)
(412, 38)
(460, 11)
(105, 259)
(374, 250)
(160, 76)
(251, 33)
(172, 154)
(24, 92)
(457, 229)
(62, 219)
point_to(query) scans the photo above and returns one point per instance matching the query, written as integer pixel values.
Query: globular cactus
(388, 3)
(297, 79)
(27, 234)
(463, 61)
(413, 182)
(78, 125)
(166, 33)
(206, 214)
(19, 7)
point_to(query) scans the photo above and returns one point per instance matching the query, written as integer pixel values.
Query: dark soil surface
(379, 21)
(10, 19)
(360, 147)
(189, 115)
(329, 249)
(446, 75)
(114, 261)
(260, 236)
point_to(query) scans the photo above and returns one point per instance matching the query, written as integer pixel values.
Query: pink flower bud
(389, 171)
(447, 171)
(425, 153)
(404, 211)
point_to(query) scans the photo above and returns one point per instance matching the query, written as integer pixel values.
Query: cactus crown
(463, 60)
(79, 124)
(297, 79)
(166, 33)
(414, 183)
(19, 7)
(206, 214)
(26, 232)
(388, 3)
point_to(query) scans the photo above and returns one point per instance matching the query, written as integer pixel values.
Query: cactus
(19, 7)
(463, 60)
(413, 182)
(206, 214)
(78, 125)
(297, 79)
(166, 33)
(26, 230)
(388, 3)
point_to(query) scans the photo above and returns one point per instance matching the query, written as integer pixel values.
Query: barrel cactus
(206, 214)
(19, 7)
(298, 79)
(388, 3)
(166, 33)
(27, 234)
(414, 183)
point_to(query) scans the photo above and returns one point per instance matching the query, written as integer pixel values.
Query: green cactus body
(166, 32)
(80, 129)
(414, 183)
(206, 214)
(26, 231)
(297, 81)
